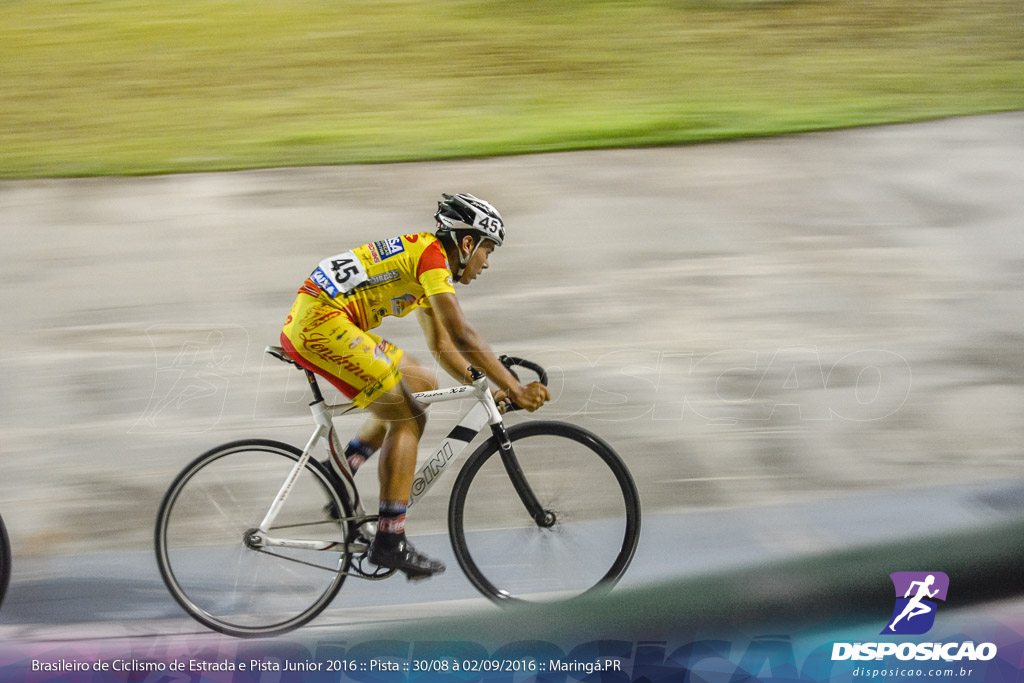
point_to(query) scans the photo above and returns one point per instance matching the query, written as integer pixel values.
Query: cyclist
(327, 332)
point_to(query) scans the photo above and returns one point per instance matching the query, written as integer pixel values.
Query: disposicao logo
(914, 614)
(916, 593)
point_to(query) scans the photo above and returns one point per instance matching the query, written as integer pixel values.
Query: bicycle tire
(580, 481)
(243, 477)
(5, 561)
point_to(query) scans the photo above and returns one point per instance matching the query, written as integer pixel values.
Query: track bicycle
(255, 537)
(5, 560)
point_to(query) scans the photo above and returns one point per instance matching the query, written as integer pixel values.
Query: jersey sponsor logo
(382, 278)
(320, 344)
(374, 254)
(388, 248)
(400, 303)
(317, 317)
(324, 282)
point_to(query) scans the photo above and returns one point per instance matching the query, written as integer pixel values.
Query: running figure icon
(915, 607)
(920, 590)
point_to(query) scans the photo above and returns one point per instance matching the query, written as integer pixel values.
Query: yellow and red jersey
(388, 277)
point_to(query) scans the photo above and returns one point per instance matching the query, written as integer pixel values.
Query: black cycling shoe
(404, 558)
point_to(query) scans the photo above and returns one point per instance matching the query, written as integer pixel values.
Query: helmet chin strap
(464, 260)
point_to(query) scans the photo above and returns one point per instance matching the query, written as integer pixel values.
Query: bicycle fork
(543, 518)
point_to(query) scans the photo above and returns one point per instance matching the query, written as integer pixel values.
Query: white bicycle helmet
(465, 212)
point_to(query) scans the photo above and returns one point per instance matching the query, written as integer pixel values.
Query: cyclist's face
(478, 263)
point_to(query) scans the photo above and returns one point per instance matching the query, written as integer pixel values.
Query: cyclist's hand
(502, 400)
(531, 397)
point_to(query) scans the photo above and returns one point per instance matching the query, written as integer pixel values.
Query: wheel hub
(547, 520)
(253, 539)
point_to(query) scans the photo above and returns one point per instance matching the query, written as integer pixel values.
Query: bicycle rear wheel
(5, 561)
(205, 519)
(590, 525)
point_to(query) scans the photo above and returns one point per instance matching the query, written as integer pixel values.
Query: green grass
(151, 86)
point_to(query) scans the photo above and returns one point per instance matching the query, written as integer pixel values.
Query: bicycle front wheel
(5, 561)
(588, 525)
(202, 533)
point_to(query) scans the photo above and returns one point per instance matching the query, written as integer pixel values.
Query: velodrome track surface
(768, 331)
(698, 569)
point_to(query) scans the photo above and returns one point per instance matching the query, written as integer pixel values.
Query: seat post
(311, 378)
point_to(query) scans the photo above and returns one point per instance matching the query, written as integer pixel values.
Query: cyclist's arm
(441, 345)
(471, 346)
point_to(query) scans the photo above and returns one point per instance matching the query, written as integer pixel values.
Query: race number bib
(339, 274)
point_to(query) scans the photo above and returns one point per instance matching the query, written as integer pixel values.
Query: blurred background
(124, 87)
(765, 322)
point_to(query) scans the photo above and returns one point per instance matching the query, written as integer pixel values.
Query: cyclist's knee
(414, 420)
(416, 377)
(400, 410)
(417, 413)
(421, 417)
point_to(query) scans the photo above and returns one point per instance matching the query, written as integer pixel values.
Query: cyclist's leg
(370, 436)
(405, 420)
(322, 339)
(367, 369)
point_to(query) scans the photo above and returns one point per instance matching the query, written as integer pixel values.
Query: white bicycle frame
(484, 412)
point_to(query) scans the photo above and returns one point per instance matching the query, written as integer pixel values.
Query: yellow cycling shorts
(323, 339)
